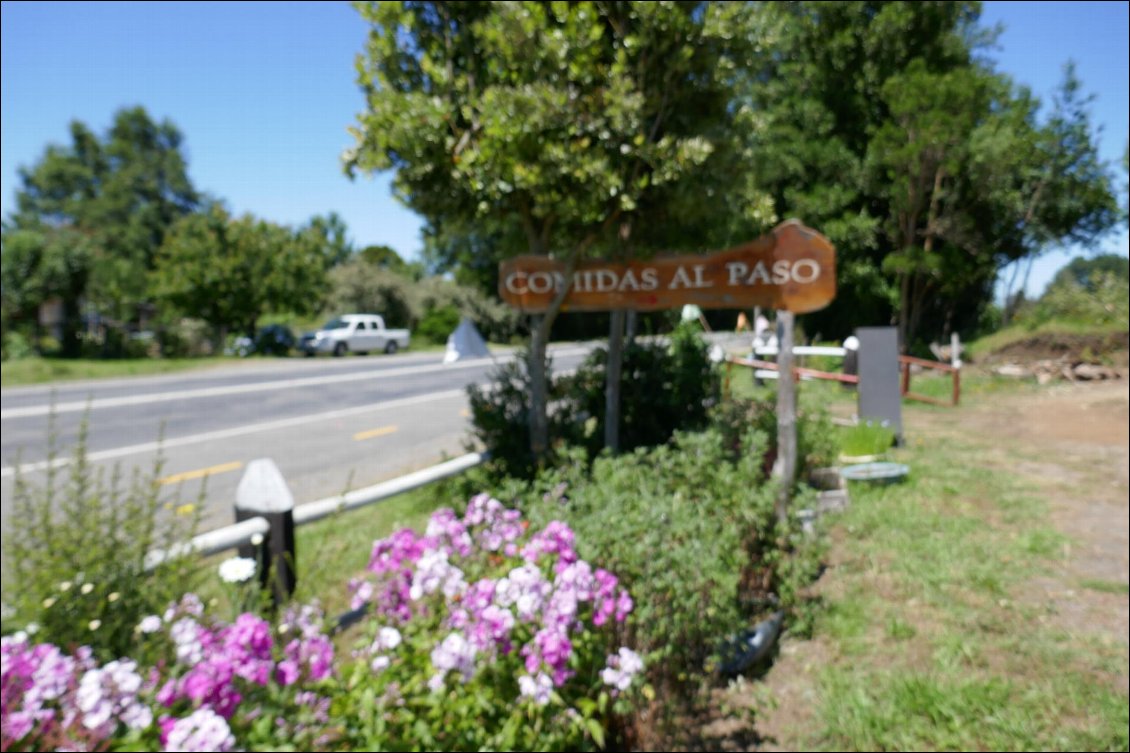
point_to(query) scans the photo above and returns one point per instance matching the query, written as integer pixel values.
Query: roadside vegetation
(581, 592)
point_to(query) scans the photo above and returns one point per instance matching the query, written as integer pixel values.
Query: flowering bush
(75, 549)
(488, 636)
(214, 680)
(483, 636)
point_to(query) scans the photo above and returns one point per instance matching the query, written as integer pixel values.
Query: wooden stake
(784, 470)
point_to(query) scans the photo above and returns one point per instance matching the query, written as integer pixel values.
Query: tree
(1086, 273)
(43, 265)
(121, 193)
(1070, 196)
(884, 125)
(231, 272)
(331, 234)
(358, 286)
(549, 123)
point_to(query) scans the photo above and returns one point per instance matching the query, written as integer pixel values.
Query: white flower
(65, 586)
(256, 539)
(95, 624)
(150, 624)
(388, 637)
(237, 569)
(87, 588)
(630, 661)
(537, 688)
(32, 628)
(113, 597)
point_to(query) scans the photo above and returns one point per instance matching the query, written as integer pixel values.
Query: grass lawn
(952, 616)
(37, 370)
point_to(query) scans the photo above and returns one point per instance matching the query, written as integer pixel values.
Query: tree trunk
(904, 309)
(539, 422)
(785, 468)
(539, 387)
(70, 345)
(613, 374)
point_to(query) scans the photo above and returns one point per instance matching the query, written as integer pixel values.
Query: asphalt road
(329, 424)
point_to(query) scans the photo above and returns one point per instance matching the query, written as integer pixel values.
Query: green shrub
(17, 346)
(1103, 302)
(358, 287)
(816, 441)
(687, 527)
(184, 337)
(75, 551)
(666, 387)
(500, 418)
(437, 324)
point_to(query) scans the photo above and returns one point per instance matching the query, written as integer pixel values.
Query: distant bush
(75, 555)
(184, 338)
(17, 346)
(1103, 301)
(496, 321)
(358, 287)
(421, 305)
(437, 324)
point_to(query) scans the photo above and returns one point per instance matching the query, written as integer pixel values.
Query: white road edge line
(233, 432)
(237, 389)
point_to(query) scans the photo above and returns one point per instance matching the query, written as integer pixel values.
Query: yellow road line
(382, 431)
(189, 475)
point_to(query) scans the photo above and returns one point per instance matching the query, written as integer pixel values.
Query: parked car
(354, 333)
(272, 340)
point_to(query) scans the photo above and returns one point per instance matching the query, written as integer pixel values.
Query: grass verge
(933, 644)
(37, 370)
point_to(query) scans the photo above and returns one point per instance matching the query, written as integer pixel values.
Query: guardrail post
(263, 493)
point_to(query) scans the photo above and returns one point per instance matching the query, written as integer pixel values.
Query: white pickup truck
(354, 333)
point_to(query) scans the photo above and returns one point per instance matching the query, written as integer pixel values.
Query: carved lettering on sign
(791, 269)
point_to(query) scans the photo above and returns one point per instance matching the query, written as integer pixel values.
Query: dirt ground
(1073, 443)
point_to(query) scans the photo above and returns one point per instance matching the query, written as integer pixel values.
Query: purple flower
(315, 655)
(445, 528)
(556, 538)
(390, 555)
(434, 572)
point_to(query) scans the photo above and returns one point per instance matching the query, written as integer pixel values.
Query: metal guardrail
(244, 533)
(322, 508)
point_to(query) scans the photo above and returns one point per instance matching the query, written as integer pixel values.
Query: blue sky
(264, 92)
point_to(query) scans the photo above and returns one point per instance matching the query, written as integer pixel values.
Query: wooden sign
(791, 269)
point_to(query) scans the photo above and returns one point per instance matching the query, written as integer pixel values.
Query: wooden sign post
(792, 269)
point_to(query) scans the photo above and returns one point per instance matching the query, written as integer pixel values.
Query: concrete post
(263, 492)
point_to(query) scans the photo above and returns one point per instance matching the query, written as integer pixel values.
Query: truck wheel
(341, 349)
(390, 348)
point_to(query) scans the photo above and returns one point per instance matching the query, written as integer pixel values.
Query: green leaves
(230, 272)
